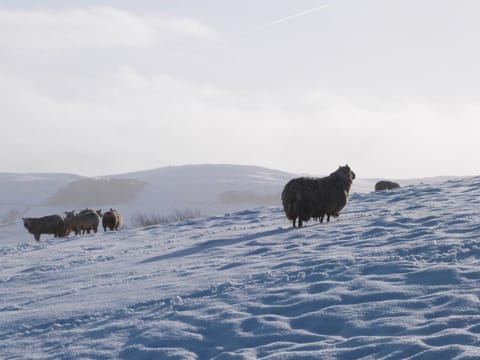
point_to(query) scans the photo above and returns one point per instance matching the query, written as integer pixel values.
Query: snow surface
(396, 276)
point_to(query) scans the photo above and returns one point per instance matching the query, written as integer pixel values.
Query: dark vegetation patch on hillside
(98, 192)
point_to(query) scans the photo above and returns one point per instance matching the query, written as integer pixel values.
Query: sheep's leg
(328, 218)
(299, 222)
(321, 218)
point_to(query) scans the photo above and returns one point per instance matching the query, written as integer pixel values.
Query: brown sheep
(50, 224)
(386, 185)
(304, 198)
(111, 220)
(85, 221)
(88, 210)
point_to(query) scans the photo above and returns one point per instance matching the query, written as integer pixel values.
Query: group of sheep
(80, 223)
(305, 198)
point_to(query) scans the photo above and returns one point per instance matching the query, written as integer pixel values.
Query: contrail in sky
(286, 18)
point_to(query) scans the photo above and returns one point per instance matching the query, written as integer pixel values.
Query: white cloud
(97, 27)
(142, 121)
(183, 25)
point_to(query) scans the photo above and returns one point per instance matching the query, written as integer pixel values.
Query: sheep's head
(69, 214)
(344, 172)
(27, 222)
(352, 174)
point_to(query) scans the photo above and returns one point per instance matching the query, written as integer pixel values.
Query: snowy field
(396, 276)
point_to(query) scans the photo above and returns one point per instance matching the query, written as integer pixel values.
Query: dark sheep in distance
(111, 220)
(88, 210)
(305, 198)
(386, 185)
(85, 221)
(50, 224)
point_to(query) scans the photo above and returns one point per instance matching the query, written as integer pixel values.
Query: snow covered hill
(396, 276)
(210, 189)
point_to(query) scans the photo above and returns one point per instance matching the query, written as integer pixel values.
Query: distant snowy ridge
(396, 276)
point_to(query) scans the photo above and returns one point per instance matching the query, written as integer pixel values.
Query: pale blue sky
(102, 87)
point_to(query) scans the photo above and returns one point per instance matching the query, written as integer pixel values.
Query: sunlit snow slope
(396, 276)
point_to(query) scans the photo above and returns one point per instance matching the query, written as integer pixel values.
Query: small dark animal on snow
(386, 185)
(50, 224)
(305, 197)
(111, 220)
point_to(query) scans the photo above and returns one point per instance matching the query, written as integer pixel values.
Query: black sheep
(305, 198)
